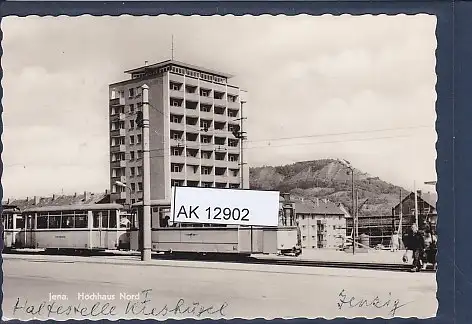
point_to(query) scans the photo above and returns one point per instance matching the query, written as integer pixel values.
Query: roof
(180, 64)
(318, 209)
(428, 197)
(158, 202)
(60, 201)
(73, 207)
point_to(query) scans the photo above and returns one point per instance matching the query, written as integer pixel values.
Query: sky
(360, 88)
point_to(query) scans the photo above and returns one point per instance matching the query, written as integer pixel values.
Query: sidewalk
(373, 256)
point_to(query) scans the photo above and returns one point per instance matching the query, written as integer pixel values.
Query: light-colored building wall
(176, 111)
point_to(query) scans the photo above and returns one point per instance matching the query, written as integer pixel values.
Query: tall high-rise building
(193, 116)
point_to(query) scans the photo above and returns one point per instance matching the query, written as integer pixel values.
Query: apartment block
(193, 113)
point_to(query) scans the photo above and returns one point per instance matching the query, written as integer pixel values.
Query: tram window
(20, 222)
(54, 221)
(112, 223)
(42, 222)
(96, 219)
(80, 221)
(104, 220)
(67, 221)
(9, 224)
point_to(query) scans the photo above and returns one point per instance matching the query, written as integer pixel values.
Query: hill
(328, 179)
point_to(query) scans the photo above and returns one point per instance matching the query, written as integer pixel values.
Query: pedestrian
(395, 242)
(415, 243)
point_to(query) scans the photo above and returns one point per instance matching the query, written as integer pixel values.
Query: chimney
(8, 201)
(106, 191)
(75, 194)
(27, 199)
(86, 196)
(286, 196)
(36, 200)
(53, 196)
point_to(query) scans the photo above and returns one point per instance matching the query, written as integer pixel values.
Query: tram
(171, 237)
(12, 221)
(93, 227)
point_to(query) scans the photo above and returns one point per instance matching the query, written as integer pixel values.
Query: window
(176, 183)
(139, 139)
(206, 171)
(131, 92)
(132, 156)
(176, 136)
(175, 168)
(140, 186)
(206, 139)
(131, 108)
(175, 103)
(204, 124)
(133, 187)
(139, 171)
(67, 221)
(175, 151)
(131, 139)
(42, 222)
(131, 124)
(175, 119)
(233, 158)
(174, 86)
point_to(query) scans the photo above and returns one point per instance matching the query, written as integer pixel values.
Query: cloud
(305, 75)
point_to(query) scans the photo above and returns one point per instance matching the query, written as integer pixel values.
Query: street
(61, 287)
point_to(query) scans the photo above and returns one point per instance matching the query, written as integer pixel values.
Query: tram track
(282, 261)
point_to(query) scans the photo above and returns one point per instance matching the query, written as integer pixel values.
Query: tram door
(29, 233)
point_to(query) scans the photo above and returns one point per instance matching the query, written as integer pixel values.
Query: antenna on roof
(145, 63)
(172, 48)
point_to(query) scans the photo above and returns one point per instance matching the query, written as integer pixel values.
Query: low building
(427, 214)
(322, 223)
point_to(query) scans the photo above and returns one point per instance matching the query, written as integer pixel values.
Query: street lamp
(348, 165)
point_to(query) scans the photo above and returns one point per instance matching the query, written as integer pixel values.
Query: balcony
(220, 102)
(178, 175)
(206, 115)
(118, 132)
(234, 180)
(177, 110)
(221, 179)
(192, 144)
(191, 176)
(206, 100)
(177, 126)
(233, 90)
(233, 164)
(118, 164)
(234, 105)
(192, 96)
(178, 94)
(223, 133)
(117, 102)
(221, 163)
(220, 118)
(118, 148)
(191, 160)
(119, 116)
(233, 150)
(118, 195)
(177, 159)
(176, 143)
(207, 162)
(191, 112)
(121, 179)
(207, 177)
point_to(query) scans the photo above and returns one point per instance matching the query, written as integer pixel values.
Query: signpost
(224, 206)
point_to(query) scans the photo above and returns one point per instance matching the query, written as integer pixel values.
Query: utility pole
(416, 205)
(353, 213)
(400, 226)
(357, 213)
(146, 228)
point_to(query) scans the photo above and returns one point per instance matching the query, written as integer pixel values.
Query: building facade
(193, 114)
(322, 223)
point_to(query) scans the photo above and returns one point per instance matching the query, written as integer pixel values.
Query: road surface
(73, 287)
